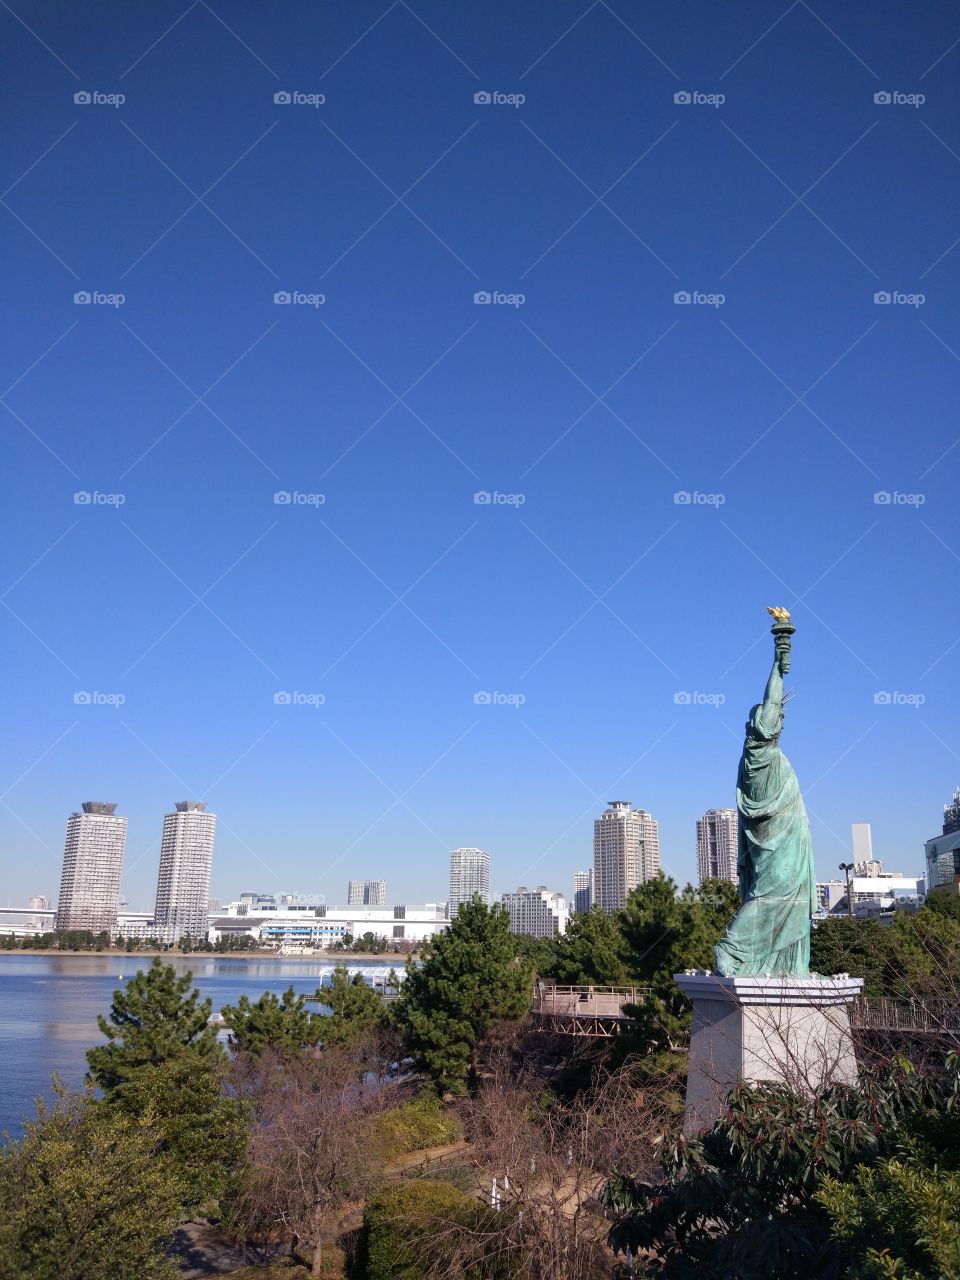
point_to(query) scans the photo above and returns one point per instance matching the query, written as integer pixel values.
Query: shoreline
(390, 960)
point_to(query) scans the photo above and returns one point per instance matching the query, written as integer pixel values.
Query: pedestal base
(794, 1031)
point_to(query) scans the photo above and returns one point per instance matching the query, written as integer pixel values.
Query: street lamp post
(848, 867)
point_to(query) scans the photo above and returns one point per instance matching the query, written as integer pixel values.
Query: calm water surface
(49, 1006)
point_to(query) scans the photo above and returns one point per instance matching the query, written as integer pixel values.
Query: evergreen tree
(158, 1017)
(470, 979)
(356, 1008)
(88, 1192)
(164, 1066)
(590, 953)
(284, 1024)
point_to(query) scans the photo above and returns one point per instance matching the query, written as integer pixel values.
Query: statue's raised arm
(770, 934)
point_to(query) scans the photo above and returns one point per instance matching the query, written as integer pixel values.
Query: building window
(398, 930)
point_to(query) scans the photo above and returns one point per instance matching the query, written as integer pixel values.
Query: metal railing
(869, 1013)
(585, 1002)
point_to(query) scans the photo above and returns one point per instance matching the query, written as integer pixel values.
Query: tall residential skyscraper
(626, 851)
(92, 866)
(366, 893)
(469, 874)
(183, 884)
(717, 845)
(582, 891)
(864, 863)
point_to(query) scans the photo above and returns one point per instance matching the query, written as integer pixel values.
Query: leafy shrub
(414, 1126)
(413, 1224)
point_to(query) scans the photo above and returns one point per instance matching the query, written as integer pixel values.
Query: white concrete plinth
(794, 1031)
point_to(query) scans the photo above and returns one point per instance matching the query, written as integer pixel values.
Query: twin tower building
(93, 864)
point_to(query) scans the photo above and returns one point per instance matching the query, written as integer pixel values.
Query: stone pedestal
(794, 1031)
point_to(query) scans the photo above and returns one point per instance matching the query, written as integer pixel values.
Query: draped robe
(770, 934)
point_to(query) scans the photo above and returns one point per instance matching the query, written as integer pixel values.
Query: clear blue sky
(599, 598)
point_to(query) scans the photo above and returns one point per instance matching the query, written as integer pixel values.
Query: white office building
(469, 875)
(582, 891)
(315, 926)
(92, 867)
(626, 851)
(717, 843)
(183, 883)
(366, 893)
(538, 913)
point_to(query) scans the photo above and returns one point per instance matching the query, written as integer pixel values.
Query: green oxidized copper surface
(770, 934)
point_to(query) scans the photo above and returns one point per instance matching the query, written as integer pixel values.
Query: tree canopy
(156, 1018)
(282, 1024)
(471, 978)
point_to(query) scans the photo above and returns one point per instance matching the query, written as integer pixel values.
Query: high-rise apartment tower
(92, 867)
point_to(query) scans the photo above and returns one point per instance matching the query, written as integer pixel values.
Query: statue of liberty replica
(770, 934)
(762, 1015)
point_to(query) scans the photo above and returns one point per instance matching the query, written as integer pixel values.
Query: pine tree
(356, 1008)
(164, 1066)
(158, 1017)
(284, 1024)
(590, 953)
(470, 979)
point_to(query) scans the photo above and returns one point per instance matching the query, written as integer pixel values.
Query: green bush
(414, 1126)
(408, 1226)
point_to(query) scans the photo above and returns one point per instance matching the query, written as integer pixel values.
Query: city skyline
(399, 511)
(860, 840)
